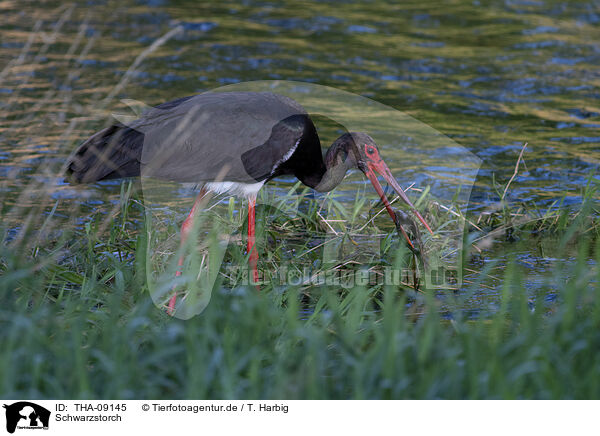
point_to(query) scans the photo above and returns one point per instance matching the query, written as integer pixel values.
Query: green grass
(78, 322)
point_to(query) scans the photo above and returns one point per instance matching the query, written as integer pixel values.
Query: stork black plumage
(230, 142)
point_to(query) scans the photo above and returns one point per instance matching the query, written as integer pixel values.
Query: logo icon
(26, 415)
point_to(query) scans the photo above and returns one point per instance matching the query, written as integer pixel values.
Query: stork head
(357, 149)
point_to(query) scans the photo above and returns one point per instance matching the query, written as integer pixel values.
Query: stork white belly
(246, 190)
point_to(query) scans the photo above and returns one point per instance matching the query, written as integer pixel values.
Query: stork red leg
(251, 238)
(186, 228)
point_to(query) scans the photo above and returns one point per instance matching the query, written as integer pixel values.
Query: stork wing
(243, 137)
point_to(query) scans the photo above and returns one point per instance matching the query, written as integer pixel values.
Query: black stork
(230, 142)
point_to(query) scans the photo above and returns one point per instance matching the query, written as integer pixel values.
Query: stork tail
(111, 153)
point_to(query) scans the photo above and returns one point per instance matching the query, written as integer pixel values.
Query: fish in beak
(375, 164)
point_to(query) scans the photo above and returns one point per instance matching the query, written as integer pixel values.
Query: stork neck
(335, 172)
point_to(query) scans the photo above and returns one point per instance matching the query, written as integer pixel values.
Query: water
(489, 75)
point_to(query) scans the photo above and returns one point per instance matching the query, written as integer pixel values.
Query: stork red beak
(380, 167)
